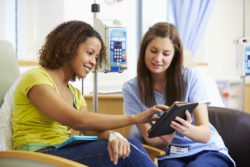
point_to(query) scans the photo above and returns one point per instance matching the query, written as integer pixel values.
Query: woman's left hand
(118, 148)
(181, 125)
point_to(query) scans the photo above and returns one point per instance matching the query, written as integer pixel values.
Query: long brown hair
(174, 86)
(62, 43)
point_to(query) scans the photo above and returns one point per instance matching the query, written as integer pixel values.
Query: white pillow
(213, 92)
(5, 118)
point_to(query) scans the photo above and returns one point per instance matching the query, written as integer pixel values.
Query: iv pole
(243, 77)
(95, 8)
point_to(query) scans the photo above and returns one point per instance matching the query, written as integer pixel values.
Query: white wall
(2, 19)
(217, 48)
(78, 9)
(7, 23)
(153, 12)
(36, 19)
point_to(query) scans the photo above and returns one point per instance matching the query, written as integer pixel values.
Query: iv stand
(243, 77)
(95, 8)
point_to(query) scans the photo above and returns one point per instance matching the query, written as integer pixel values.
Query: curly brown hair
(62, 43)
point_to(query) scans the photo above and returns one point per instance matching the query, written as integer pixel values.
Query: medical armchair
(234, 127)
(9, 70)
(9, 73)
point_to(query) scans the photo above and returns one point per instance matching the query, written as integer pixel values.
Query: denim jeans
(202, 159)
(95, 154)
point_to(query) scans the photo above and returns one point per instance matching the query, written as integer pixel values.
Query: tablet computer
(74, 140)
(162, 125)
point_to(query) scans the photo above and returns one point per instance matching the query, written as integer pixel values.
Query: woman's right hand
(148, 115)
(118, 147)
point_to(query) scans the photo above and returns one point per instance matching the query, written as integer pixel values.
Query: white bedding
(5, 118)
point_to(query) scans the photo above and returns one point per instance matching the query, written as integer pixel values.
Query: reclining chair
(9, 72)
(234, 127)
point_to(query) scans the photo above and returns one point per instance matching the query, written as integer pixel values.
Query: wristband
(115, 135)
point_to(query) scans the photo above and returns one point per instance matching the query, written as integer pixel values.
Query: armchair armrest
(28, 158)
(154, 153)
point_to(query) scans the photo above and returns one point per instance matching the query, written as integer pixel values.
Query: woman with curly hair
(46, 105)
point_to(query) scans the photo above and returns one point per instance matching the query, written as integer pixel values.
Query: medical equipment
(243, 56)
(243, 61)
(115, 39)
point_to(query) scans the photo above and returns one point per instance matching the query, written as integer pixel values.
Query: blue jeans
(202, 159)
(95, 154)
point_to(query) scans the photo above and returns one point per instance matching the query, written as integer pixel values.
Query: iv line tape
(115, 135)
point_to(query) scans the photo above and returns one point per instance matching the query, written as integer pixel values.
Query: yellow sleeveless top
(32, 129)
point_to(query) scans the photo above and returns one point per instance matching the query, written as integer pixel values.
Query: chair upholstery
(9, 73)
(234, 127)
(9, 70)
